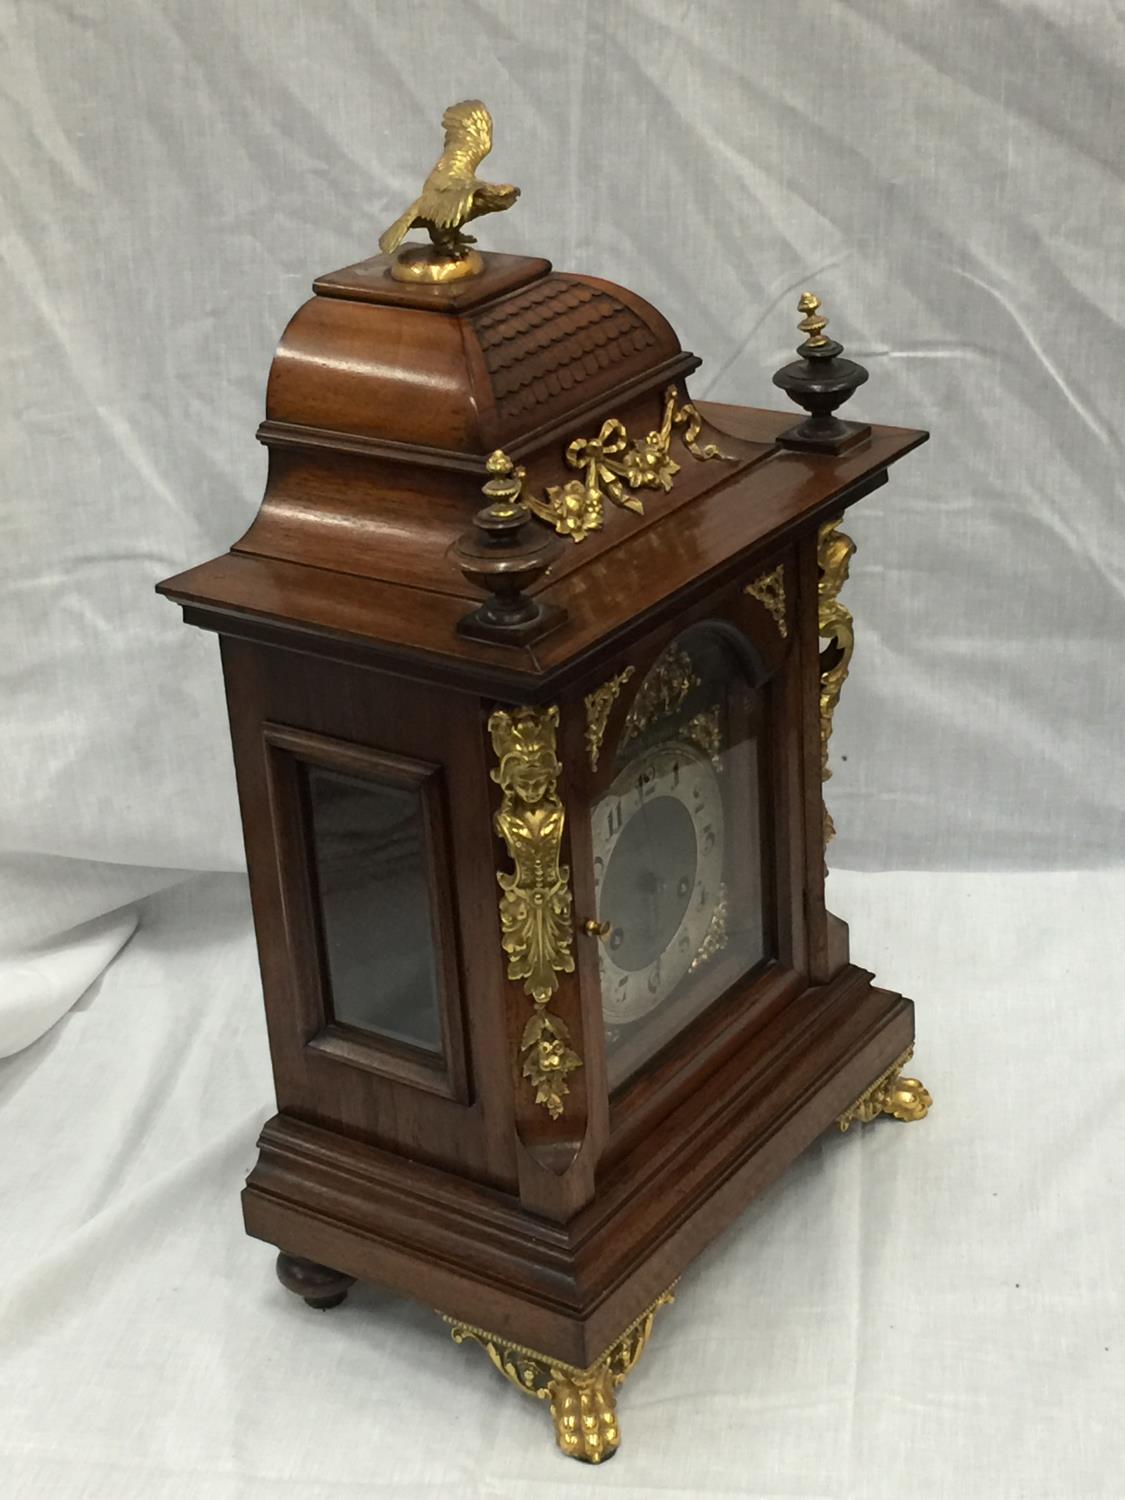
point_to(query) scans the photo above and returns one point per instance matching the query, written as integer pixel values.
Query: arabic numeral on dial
(654, 978)
(708, 835)
(616, 818)
(702, 897)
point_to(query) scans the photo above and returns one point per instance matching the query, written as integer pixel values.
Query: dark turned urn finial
(503, 557)
(820, 381)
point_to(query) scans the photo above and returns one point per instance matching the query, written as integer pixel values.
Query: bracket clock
(531, 663)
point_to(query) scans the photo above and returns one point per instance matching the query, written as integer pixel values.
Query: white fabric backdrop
(914, 1312)
(948, 178)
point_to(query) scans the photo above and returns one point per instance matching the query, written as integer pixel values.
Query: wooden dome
(385, 400)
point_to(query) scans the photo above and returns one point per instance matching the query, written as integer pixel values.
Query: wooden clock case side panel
(277, 697)
(291, 754)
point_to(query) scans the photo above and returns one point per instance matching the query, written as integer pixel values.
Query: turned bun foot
(320, 1287)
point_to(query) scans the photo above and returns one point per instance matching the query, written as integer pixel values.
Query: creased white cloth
(933, 1310)
(39, 987)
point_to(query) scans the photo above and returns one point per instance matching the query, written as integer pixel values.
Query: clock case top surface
(383, 403)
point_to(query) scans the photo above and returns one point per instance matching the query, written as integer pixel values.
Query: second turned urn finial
(820, 381)
(500, 557)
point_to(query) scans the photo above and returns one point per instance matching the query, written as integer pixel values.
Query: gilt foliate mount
(536, 920)
(835, 627)
(615, 467)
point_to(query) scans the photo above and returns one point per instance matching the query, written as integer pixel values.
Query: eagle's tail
(392, 238)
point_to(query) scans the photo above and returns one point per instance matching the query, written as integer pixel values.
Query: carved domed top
(466, 367)
(385, 399)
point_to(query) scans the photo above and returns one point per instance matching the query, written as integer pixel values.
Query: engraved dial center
(648, 882)
(658, 869)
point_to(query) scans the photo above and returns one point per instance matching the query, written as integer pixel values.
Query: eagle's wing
(468, 138)
(392, 238)
(448, 193)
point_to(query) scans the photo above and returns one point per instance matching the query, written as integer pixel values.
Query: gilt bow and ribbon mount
(615, 467)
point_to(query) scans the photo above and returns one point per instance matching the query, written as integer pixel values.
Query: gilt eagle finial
(453, 194)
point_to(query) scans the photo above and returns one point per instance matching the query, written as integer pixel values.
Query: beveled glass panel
(376, 916)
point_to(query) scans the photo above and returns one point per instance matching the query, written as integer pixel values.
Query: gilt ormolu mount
(532, 794)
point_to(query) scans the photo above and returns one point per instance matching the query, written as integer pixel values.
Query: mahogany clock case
(421, 1160)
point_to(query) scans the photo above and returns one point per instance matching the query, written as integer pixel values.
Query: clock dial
(658, 867)
(679, 844)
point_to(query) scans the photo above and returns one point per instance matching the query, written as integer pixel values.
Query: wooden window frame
(287, 752)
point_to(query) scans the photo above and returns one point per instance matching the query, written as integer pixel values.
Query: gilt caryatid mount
(451, 196)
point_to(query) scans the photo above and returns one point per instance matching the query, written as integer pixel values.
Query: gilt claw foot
(891, 1094)
(583, 1403)
(584, 1411)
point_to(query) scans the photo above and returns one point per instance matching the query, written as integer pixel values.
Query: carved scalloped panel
(559, 338)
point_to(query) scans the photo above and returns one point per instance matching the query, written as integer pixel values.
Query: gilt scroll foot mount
(582, 1403)
(891, 1094)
